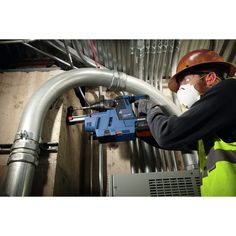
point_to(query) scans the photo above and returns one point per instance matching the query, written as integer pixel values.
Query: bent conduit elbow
(25, 150)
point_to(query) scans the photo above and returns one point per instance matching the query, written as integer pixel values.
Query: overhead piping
(74, 52)
(63, 62)
(15, 41)
(48, 54)
(81, 55)
(68, 54)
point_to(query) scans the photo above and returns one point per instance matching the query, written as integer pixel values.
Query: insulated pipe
(26, 145)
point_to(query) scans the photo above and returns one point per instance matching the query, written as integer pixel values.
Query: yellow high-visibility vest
(218, 169)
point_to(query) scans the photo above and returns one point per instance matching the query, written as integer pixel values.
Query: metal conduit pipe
(157, 159)
(68, 54)
(146, 156)
(82, 56)
(132, 157)
(25, 149)
(91, 164)
(100, 158)
(109, 54)
(173, 158)
(152, 60)
(75, 54)
(147, 50)
(101, 168)
(170, 53)
(168, 160)
(140, 49)
(190, 160)
(47, 54)
(87, 61)
(138, 158)
(163, 161)
(123, 57)
(133, 152)
(162, 63)
(157, 64)
(61, 49)
(15, 41)
(132, 58)
(150, 157)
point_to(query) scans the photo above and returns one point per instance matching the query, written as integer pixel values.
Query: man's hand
(144, 106)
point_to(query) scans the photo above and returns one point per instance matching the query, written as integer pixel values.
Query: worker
(205, 85)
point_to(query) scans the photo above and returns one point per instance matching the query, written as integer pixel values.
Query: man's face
(191, 87)
(194, 80)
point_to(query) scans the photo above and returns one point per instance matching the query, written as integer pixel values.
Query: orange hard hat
(197, 59)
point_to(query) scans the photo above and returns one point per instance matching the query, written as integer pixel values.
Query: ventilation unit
(174, 183)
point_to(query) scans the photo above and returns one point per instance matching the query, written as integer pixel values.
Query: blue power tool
(115, 120)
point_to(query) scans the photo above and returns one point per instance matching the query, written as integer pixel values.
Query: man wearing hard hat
(205, 85)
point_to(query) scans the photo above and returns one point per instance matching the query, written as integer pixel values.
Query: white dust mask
(187, 95)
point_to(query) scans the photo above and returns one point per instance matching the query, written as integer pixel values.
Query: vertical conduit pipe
(157, 159)
(100, 158)
(163, 160)
(163, 63)
(147, 52)
(140, 52)
(132, 157)
(101, 168)
(152, 59)
(157, 66)
(91, 164)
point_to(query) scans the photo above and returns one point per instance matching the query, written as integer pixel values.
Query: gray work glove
(144, 106)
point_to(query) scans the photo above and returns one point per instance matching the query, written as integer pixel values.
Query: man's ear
(211, 79)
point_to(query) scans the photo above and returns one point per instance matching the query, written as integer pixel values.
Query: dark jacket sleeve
(206, 116)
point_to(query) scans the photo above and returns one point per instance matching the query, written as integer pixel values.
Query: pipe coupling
(23, 157)
(23, 134)
(118, 81)
(24, 150)
(25, 144)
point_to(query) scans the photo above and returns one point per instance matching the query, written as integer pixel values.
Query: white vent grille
(173, 186)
